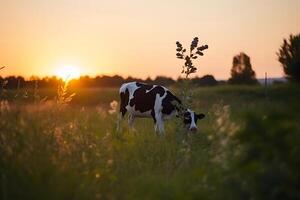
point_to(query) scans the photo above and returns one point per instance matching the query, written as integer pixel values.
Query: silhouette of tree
(241, 72)
(15, 82)
(149, 80)
(206, 80)
(162, 80)
(289, 57)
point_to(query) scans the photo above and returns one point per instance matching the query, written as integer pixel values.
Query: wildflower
(4, 106)
(113, 107)
(110, 162)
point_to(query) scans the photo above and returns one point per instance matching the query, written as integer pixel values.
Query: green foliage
(268, 160)
(241, 72)
(289, 57)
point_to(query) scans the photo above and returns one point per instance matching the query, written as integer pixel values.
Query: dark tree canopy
(206, 80)
(289, 57)
(15, 82)
(241, 72)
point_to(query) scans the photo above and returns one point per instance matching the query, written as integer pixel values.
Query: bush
(289, 57)
(267, 166)
(207, 80)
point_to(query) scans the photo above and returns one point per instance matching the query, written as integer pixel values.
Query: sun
(68, 72)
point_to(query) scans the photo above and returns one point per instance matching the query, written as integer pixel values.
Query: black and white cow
(142, 101)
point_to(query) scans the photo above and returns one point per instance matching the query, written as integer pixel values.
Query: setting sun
(68, 72)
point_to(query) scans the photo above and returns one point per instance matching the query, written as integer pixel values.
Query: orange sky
(136, 37)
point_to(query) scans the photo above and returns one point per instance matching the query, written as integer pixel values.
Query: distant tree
(289, 57)
(242, 72)
(149, 80)
(14, 82)
(207, 80)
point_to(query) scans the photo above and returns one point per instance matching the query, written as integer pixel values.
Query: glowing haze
(137, 37)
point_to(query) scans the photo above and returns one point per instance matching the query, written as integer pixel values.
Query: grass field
(247, 147)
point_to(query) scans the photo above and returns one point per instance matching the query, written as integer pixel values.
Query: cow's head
(190, 119)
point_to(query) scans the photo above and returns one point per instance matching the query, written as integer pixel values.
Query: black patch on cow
(187, 118)
(145, 86)
(153, 116)
(143, 100)
(200, 116)
(124, 101)
(168, 103)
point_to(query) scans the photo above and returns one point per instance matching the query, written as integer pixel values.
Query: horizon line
(128, 76)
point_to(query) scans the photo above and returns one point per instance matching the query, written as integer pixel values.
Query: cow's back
(139, 98)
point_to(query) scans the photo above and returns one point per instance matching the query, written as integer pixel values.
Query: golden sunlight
(68, 72)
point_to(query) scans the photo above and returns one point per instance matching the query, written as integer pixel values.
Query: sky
(137, 37)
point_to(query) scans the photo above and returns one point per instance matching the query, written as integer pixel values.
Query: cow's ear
(200, 116)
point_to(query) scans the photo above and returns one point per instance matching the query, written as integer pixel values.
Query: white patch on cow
(131, 88)
(193, 124)
(151, 88)
(123, 87)
(158, 113)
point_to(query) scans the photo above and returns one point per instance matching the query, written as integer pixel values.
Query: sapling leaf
(200, 53)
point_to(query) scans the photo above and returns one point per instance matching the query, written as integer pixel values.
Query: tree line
(15, 82)
(241, 72)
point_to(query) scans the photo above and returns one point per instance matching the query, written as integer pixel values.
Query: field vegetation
(247, 147)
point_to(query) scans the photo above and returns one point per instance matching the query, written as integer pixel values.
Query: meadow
(247, 147)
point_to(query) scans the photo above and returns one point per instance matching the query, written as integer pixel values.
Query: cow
(142, 100)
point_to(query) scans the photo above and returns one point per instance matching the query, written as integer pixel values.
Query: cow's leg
(120, 118)
(161, 127)
(154, 120)
(158, 114)
(131, 121)
(159, 123)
